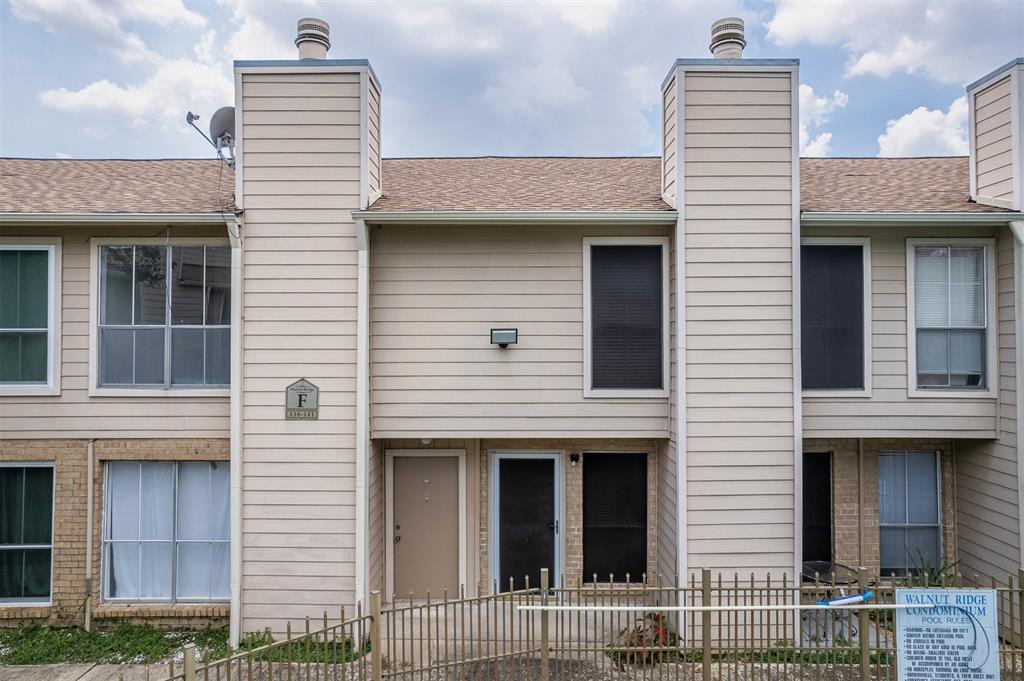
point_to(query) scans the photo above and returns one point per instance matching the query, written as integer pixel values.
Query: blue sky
(114, 78)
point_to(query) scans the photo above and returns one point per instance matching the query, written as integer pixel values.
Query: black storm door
(526, 520)
(817, 506)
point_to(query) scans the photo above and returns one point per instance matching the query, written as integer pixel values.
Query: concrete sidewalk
(81, 672)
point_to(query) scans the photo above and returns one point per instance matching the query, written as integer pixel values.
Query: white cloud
(927, 132)
(815, 111)
(946, 40)
(159, 102)
(586, 17)
(101, 24)
(62, 154)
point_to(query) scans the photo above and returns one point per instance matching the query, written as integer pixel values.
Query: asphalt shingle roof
(869, 185)
(107, 186)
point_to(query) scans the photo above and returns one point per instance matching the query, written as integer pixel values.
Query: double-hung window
(908, 511)
(951, 333)
(625, 317)
(835, 302)
(29, 290)
(26, 532)
(164, 316)
(166, 531)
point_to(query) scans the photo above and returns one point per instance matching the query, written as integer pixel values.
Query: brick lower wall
(855, 533)
(68, 588)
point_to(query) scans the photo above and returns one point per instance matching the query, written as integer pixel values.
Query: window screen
(165, 318)
(166, 533)
(615, 516)
(908, 509)
(26, 532)
(24, 315)
(626, 317)
(951, 320)
(832, 313)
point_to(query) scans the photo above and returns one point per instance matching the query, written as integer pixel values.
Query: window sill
(836, 393)
(26, 604)
(953, 394)
(159, 392)
(28, 390)
(612, 393)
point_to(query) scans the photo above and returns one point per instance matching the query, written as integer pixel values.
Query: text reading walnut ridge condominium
(262, 392)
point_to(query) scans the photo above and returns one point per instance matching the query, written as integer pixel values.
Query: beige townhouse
(261, 393)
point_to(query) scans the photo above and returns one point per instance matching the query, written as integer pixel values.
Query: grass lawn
(128, 643)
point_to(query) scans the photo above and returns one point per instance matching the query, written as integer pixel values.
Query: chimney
(313, 39)
(995, 128)
(727, 40)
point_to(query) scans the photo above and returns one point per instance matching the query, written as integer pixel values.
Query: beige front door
(426, 525)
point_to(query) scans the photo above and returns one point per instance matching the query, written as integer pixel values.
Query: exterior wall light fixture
(504, 337)
(574, 459)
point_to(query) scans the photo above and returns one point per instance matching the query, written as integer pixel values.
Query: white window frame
(991, 323)
(95, 390)
(865, 244)
(53, 515)
(589, 391)
(106, 542)
(940, 522)
(53, 297)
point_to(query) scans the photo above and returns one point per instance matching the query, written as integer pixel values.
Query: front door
(426, 525)
(527, 520)
(817, 504)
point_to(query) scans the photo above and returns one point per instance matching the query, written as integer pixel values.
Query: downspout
(362, 403)
(682, 527)
(860, 502)
(235, 428)
(1017, 228)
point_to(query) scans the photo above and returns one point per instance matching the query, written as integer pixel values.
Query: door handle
(553, 526)
(397, 539)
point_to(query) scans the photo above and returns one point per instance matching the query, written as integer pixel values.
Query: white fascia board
(117, 218)
(810, 219)
(660, 217)
(307, 66)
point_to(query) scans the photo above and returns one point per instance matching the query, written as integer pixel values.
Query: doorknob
(553, 526)
(397, 539)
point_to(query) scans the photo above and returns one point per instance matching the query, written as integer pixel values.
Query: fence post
(190, 662)
(544, 652)
(705, 624)
(376, 640)
(864, 631)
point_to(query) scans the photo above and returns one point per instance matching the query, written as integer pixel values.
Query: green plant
(126, 643)
(649, 640)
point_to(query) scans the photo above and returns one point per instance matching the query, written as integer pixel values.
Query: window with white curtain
(951, 315)
(908, 511)
(164, 316)
(166, 531)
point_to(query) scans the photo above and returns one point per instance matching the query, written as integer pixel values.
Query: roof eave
(10, 218)
(617, 217)
(826, 219)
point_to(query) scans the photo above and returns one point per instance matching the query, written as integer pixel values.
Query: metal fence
(713, 627)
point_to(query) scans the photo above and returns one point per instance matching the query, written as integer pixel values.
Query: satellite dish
(222, 130)
(222, 123)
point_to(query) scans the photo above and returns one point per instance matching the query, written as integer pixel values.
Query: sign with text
(302, 401)
(950, 634)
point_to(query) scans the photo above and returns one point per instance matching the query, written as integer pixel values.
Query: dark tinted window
(626, 317)
(615, 516)
(832, 304)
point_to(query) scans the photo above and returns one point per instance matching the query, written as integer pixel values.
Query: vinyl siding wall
(668, 451)
(301, 169)
(373, 136)
(73, 413)
(993, 141)
(436, 291)
(988, 514)
(739, 343)
(670, 130)
(889, 412)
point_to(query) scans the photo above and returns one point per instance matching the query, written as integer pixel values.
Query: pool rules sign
(947, 634)
(302, 401)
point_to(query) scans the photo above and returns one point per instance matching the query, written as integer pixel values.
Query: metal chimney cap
(727, 38)
(312, 30)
